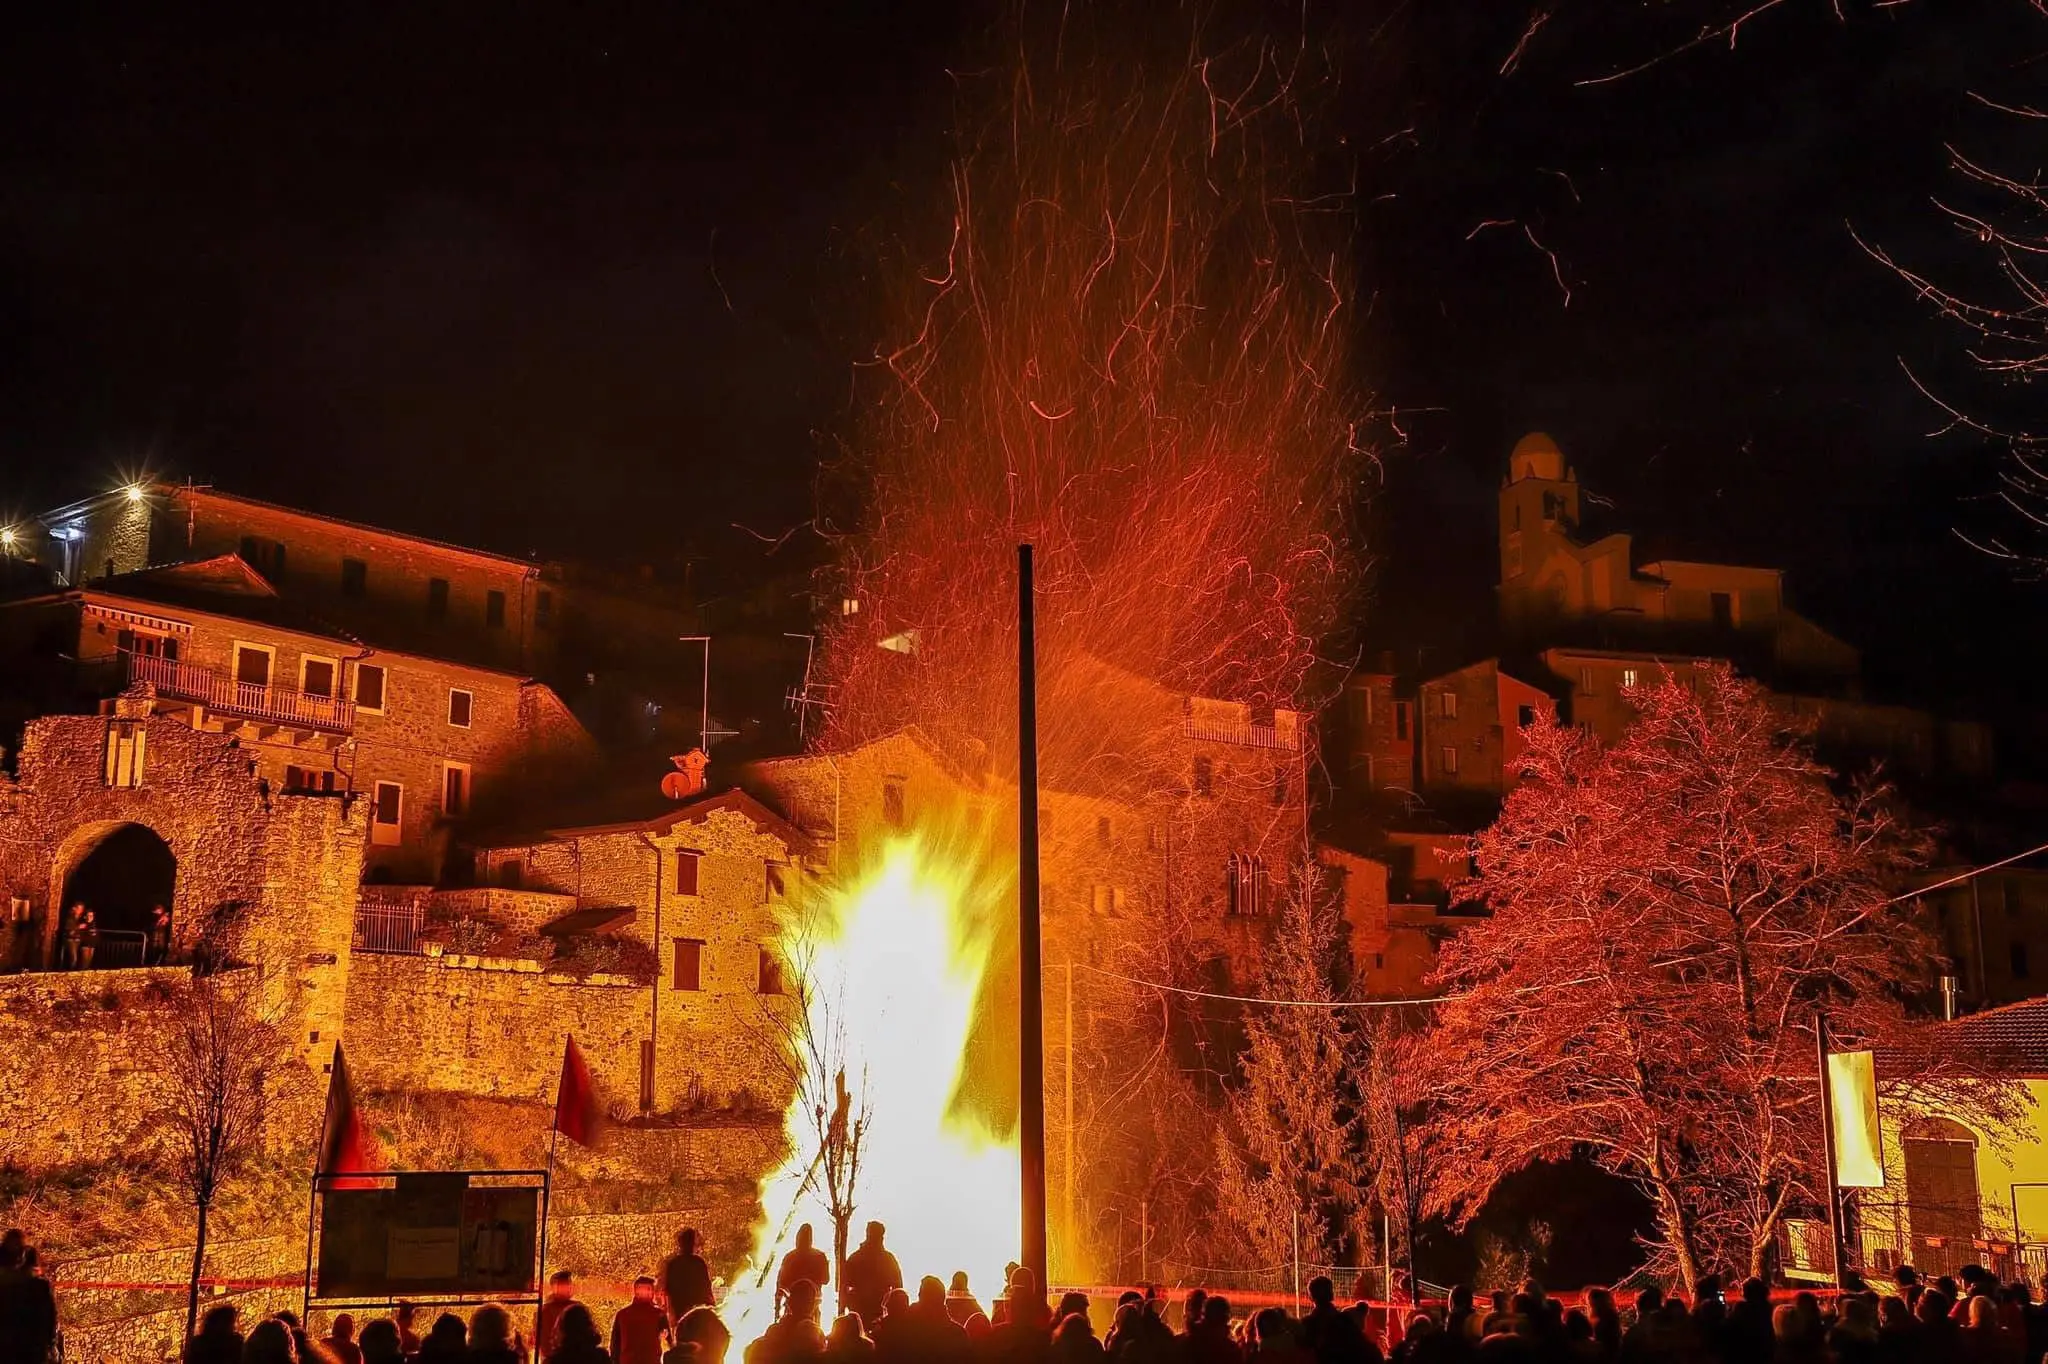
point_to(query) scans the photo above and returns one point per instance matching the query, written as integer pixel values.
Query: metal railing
(1245, 735)
(392, 929)
(115, 949)
(218, 691)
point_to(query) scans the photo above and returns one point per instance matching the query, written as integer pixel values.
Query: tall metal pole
(1827, 1145)
(1031, 970)
(1068, 1240)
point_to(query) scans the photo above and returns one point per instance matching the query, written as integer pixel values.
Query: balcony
(223, 695)
(1244, 734)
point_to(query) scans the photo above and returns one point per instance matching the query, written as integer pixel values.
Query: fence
(114, 949)
(390, 927)
(259, 701)
(1883, 1237)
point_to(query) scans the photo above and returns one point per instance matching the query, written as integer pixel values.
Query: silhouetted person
(849, 1343)
(341, 1340)
(893, 1333)
(641, 1329)
(270, 1342)
(379, 1342)
(701, 1338)
(159, 937)
(1329, 1334)
(492, 1339)
(28, 1311)
(404, 1315)
(447, 1343)
(936, 1337)
(86, 939)
(579, 1341)
(1074, 1342)
(219, 1339)
(871, 1272)
(685, 1278)
(805, 1262)
(960, 1303)
(795, 1337)
(561, 1297)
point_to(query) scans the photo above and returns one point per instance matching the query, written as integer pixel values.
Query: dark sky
(572, 279)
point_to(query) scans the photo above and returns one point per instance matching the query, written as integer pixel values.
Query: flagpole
(313, 1191)
(540, 1272)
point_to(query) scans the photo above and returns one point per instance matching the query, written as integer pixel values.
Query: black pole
(1827, 1145)
(1031, 1006)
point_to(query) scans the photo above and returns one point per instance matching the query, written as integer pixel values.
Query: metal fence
(390, 927)
(114, 949)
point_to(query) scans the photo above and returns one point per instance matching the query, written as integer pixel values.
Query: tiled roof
(2016, 1033)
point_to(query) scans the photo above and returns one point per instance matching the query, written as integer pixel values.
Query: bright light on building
(134, 492)
(7, 538)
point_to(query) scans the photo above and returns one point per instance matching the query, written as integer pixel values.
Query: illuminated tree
(224, 1067)
(1667, 916)
(1392, 1098)
(1292, 1147)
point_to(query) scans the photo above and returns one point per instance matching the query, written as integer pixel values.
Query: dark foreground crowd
(1971, 1318)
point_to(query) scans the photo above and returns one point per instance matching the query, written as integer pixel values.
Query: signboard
(428, 1236)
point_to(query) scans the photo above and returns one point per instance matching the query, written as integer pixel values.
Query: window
(1512, 567)
(126, 740)
(265, 556)
(777, 882)
(1102, 838)
(544, 608)
(494, 609)
(892, 804)
(147, 645)
(1628, 677)
(688, 861)
(2019, 961)
(355, 578)
(460, 704)
(1586, 681)
(1365, 766)
(305, 779)
(252, 665)
(1553, 507)
(1100, 899)
(1365, 707)
(687, 972)
(1722, 604)
(771, 972)
(1447, 704)
(1525, 716)
(1448, 760)
(454, 790)
(1280, 786)
(387, 810)
(437, 599)
(1400, 719)
(1205, 777)
(316, 675)
(1247, 884)
(370, 688)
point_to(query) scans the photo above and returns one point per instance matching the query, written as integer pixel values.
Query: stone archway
(121, 872)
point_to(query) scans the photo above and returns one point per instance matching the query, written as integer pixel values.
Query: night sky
(583, 283)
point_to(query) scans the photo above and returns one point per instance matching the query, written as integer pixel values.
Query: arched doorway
(122, 879)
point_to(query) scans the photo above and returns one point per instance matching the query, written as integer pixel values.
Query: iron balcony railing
(390, 927)
(220, 692)
(1244, 735)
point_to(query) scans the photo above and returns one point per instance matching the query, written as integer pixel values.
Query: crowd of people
(1971, 1318)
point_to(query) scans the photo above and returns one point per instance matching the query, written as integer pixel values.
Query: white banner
(1852, 1085)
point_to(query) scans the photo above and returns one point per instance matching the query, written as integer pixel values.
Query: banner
(1852, 1086)
(430, 1235)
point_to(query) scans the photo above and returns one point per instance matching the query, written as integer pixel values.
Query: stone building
(443, 600)
(133, 810)
(427, 741)
(1424, 759)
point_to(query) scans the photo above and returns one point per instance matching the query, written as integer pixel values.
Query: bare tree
(223, 1066)
(806, 1030)
(1391, 1099)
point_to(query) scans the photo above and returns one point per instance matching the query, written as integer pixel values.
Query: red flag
(344, 1146)
(578, 1114)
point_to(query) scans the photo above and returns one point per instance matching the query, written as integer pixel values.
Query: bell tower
(1539, 504)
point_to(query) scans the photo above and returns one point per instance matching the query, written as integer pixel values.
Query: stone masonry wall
(71, 1089)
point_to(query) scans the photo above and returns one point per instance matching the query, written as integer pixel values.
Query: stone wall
(283, 867)
(71, 1089)
(483, 1026)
